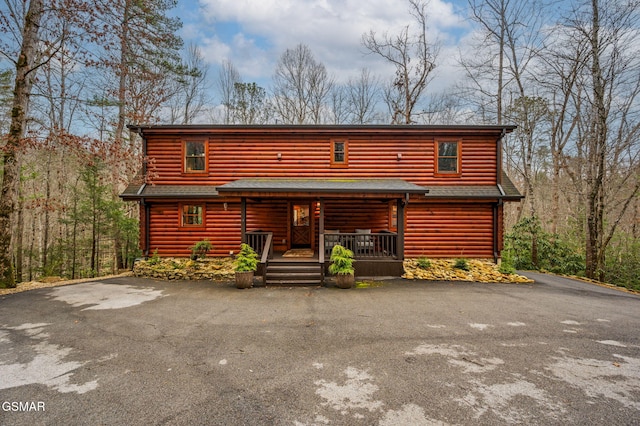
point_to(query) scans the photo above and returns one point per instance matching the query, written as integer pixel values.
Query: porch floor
(279, 257)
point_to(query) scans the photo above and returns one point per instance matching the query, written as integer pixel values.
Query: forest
(75, 73)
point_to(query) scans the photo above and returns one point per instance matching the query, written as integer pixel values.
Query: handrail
(321, 258)
(267, 250)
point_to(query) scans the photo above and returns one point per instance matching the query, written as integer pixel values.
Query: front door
(301, 226)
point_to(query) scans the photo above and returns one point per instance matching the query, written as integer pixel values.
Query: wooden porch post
(243, 219)
(401, 204)
(321, 225)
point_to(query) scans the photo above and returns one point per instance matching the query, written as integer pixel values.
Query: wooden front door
(300, 225)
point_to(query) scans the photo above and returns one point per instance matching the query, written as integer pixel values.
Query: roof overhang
(140, 191)
(358, 188)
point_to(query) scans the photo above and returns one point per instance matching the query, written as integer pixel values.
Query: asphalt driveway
(139, 351)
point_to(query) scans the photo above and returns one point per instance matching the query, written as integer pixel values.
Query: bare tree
(26, 63)
(300, 87)
(228, 77)
(340, 109)
(190, 93)
(363, 94)
(249, 104)
(414, 59)
(613, 126)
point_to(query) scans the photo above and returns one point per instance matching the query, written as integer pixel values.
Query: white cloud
(261, 31)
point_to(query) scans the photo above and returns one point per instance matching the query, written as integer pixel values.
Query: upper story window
(339, 153)
(192, 215)
(195, 156)
(448, 158)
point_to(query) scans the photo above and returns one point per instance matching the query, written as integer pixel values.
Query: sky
(253, 34)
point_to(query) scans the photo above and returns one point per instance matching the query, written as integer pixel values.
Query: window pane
(195, 149)
(338, 152)
(447, 164)
(448, 149)
(194, 157)
(195, 163)
(192, 215)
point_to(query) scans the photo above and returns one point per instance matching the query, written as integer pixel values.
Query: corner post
(243, 219)
(401, 205)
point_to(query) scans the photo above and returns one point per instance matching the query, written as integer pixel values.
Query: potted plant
(245, 266)
(342, 266)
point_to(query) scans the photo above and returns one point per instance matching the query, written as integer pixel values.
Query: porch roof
(137, 190)
(264, 186)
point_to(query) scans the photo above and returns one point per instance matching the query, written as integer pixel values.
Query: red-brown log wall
(432, 229)
(309, 157)
(221, 227)
(449, 230)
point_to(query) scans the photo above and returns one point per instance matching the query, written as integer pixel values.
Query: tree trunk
(11, 176)
(597, 152)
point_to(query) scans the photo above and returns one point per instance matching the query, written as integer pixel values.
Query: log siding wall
(443, 228)
(449, 230)
(237, 158)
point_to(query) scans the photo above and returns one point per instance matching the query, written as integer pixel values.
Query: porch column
(321, 228)
(243, 219)
(401, 204)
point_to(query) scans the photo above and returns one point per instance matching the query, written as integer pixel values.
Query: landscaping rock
(483, 271)
(218, 269)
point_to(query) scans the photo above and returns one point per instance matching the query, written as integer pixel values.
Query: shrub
(531, 248)
(342, 261)
(200, 249)
(423, 263)
(154, 259)
(461, 264)
(246, 260)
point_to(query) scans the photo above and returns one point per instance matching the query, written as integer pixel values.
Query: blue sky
(252, 34)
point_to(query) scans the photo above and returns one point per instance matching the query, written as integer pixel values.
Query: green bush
(246, 260)
(154, 259)
(423, 263)
(622, 264)
(200, 249)
(342, 261)
(529, 247)
(461, 264)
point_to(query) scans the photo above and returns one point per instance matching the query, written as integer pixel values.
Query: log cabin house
(385, 192)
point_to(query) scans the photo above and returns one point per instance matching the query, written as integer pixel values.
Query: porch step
(293, 273)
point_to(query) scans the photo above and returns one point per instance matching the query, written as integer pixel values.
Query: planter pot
(345, 280)
(244, 279)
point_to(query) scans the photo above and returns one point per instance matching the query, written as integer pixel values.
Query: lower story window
(192, 215)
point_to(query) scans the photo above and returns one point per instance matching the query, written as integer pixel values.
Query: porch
(375, 254)
(366, 216)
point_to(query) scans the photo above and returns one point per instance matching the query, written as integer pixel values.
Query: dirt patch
(50, 282)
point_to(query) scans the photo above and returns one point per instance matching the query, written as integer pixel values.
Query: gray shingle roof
(322, 186)
(319, 186)
(169, 191)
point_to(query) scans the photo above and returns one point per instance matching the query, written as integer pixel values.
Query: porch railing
(262, 243)
(381, 245)
(257, 240)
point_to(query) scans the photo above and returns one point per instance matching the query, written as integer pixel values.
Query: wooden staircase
(293, 272)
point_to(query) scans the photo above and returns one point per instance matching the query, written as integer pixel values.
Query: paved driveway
(136, 351)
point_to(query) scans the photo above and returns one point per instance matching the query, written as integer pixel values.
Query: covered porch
(363, 215)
